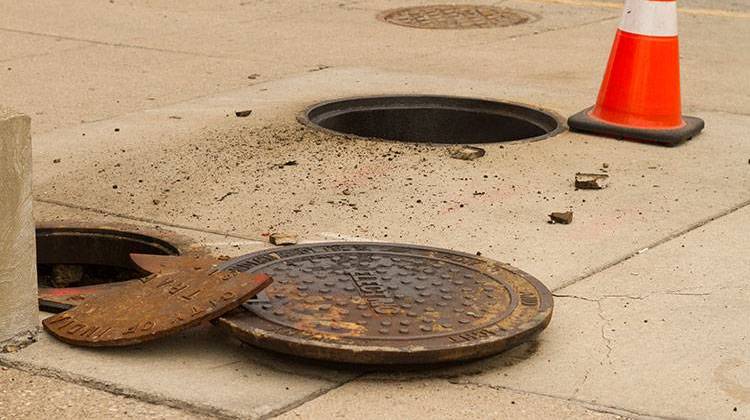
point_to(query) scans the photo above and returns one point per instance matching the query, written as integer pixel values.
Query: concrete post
(18, 291)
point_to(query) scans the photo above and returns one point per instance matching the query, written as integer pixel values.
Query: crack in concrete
(589, 405)
(607, 340)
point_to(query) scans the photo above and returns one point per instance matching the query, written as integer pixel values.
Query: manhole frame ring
(304, 119)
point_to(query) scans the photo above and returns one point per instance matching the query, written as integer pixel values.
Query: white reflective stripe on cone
(650, 18)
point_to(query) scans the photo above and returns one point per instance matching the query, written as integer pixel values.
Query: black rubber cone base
(583, 122)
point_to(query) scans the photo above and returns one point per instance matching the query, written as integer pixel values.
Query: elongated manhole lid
(382, 303)
(182, 292)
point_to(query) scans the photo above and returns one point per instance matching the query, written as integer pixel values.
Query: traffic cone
(639, 97)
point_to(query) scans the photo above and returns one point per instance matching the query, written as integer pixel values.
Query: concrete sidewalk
(652, 302)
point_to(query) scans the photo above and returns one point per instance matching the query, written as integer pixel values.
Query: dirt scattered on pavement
(563, 218)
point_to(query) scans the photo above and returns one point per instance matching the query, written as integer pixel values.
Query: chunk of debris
(466, 152)
(563, 218)
(63, 275)
(244, 113)
(253, 76)
(591, 181)
(287, 163)
(56, 160)
(282, 239)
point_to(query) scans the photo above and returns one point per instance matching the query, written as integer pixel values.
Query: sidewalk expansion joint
(592, 406)
(691, 227)
(114, 389)
(109, 44)
(143, 219)
(311, 397)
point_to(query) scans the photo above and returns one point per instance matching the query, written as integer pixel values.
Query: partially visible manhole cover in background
(459, 16)
(433, 119)
(379, 303)
(75, 261)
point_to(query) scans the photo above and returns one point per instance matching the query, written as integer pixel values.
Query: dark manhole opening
(70, 258)
(433, 119)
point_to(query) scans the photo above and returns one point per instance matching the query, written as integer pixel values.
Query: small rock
(563, 218)
(282, 239)
(56, 160)
(243, 114)
(466, 152)
(605, 165)
(63, 275)
(591, 181)
(287, 163)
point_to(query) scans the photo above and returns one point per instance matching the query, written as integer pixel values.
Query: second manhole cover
(463, 16)
(387, 304)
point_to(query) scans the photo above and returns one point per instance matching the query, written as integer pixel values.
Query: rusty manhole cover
(182, 292)
(459, 16)
(76, 260)
(387, 304)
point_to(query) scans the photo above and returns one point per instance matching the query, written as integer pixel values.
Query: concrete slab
(661, 334)
(438, 399)
(23, 395)
(200, 370)
(200, 165)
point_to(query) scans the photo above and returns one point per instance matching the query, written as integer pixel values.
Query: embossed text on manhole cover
(181, 293)
(387, 304)
(459, 16)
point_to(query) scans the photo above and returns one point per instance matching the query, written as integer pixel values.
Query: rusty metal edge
(170, 331)
(183, 244)
(387, 355)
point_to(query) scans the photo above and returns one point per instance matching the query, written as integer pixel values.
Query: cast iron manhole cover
(463, 16)
(182, 292)
(387, 304)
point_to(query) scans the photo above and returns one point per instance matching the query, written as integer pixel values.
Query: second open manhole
(73, 261)
(433, 119)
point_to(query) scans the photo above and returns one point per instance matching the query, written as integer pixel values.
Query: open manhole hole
(456, 16)
(433, 119)
(75, 262)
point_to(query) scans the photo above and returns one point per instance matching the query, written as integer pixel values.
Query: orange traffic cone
(640, 95)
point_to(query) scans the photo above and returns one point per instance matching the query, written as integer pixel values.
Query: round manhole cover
(432, 119)
(458, 16)
(387, 304)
